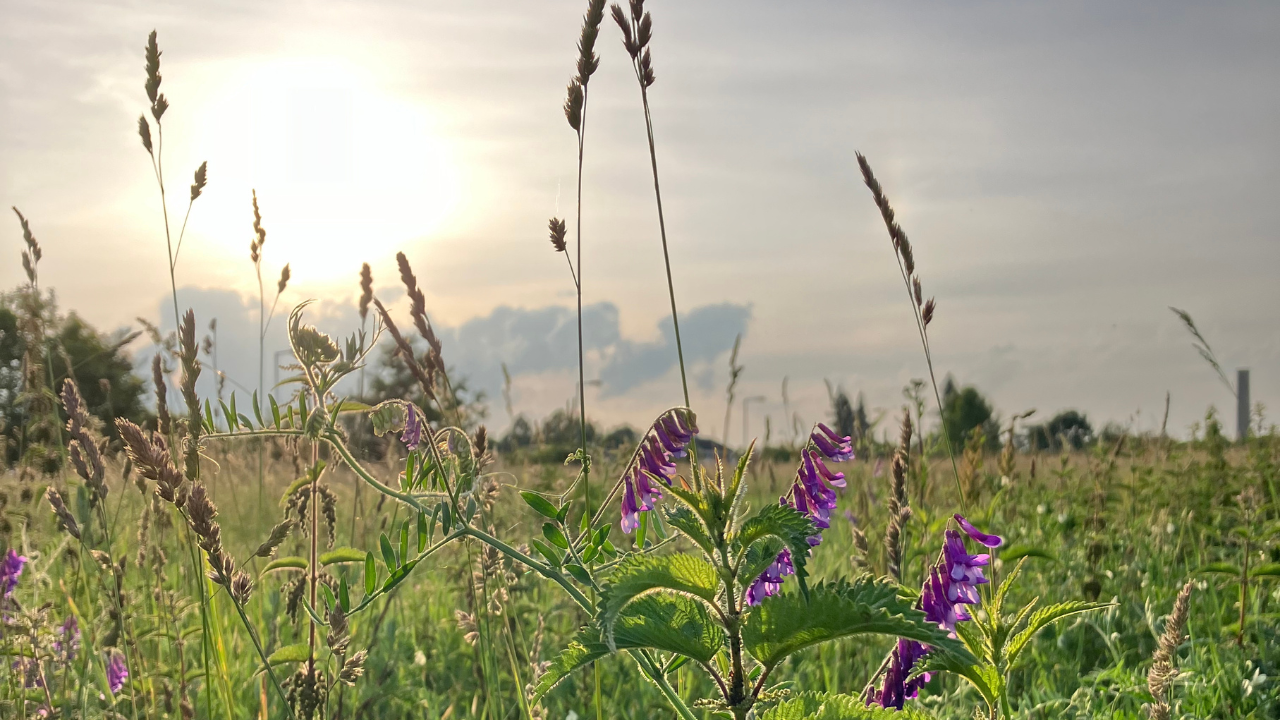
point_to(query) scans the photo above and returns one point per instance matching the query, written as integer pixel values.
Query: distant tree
(964, 409)
(98, 362)
(1070, 426)
(848, 419)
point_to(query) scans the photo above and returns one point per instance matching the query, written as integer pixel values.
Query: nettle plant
(721, 607)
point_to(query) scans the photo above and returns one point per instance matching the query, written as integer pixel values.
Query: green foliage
(790, 526)
(825, 706)
(787, 623)
(640, 574)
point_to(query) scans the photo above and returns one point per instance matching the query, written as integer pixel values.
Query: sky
(1065, 171)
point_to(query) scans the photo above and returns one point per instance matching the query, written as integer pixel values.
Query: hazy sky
(1066, 171)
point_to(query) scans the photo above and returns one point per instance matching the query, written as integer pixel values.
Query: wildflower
(67, 639)
(810, 494)
(991, 541)
(668, 438)
(10, 569)
(951, 585)
(770, 581)
(412, 435)
(116, 673)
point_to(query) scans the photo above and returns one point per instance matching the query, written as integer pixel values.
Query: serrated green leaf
(299, 652)
(786, 623)
(640, 574)
(672, 623)
(759, 557)
(286, 563)
(540, 505)
(1041, 619)
(687, 522)
(792, 527)
(986, 679)
(342, 555)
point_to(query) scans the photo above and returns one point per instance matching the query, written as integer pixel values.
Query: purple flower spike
(991, 541)
(832, 478)
(412, 434)
(67, 639)
(630, 510)
(116, 673)
(668, 443)
(963, 570)
(647, 494)
(839, 452)
(10, 569)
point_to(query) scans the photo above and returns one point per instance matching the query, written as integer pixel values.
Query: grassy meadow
(356, 544)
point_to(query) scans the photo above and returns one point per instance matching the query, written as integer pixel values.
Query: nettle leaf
(986, 679)
(759, 556)
(671, 623)
(825, 706)
(787, 623)
(640, 574)
(1219, 568)
(684, 520)
(1041, 619)
(787, 524)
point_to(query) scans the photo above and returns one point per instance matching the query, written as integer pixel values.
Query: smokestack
(1242, 404)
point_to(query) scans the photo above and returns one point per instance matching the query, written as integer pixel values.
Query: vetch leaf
(370, 574)
(553, 534)
(388, 555)
(342, 555)
(299, 652)
(540, 505)
(286, 563)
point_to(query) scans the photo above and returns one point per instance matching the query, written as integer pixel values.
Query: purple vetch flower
(630, 510)
(10, 569)
(412, 434)
(810, 494)
(963, 570)
(67, 638)
(116, 673)
(952, 584)
(836, 447)
(991, 541)
(770, 581)
(668, 438)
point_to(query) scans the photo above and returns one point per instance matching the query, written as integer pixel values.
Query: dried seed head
(189, 353)
(353, 668)
(480, 443)
(557, 227)
(927, 313)
(904, 438)
(366, 290)
(259, 232)
(158, 103)
(198, 186)
(646, 67)
(144, 132)
(31, 256)
(406, 352)
(66, 520)
(574, 98)
(1164, 668)
(284, 279)
(915, 287)
(467, 624)
(278, 535)
(628, 41)
(162, 403)
(241, 587)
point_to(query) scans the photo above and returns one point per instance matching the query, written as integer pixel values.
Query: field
(355, 544)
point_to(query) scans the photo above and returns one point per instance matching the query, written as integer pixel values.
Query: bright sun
(344, 172)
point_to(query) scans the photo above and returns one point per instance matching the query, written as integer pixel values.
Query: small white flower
(1253, 683)
(1040, 509)
(419, 658)
(1062, 518)
(1169, 528)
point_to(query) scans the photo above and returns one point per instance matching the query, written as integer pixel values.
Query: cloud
(531, 342)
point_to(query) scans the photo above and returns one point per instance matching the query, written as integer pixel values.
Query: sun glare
(344, 171)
